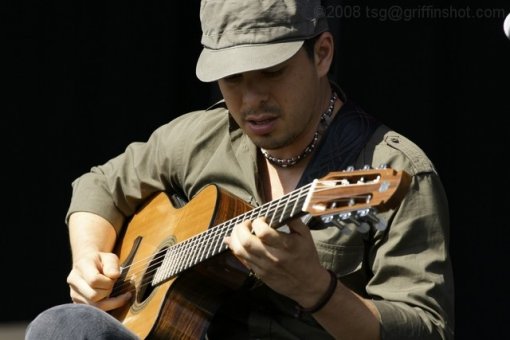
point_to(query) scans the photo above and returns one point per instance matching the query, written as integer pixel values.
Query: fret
(253, 214)
(189, 251)
(274, 213)
(292, 212)
(262, 211)
(185, 253)
(218, 237)
(282, 215)
(199, 248)
(201, 252)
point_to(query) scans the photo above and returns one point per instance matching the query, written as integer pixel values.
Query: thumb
(297, 226)
(110, 264)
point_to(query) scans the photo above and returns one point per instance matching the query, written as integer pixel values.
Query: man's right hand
(92, 278)
(95, 267)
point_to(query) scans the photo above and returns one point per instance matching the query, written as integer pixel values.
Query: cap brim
(216, 64)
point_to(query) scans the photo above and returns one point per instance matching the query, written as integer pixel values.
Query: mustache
(263, 108)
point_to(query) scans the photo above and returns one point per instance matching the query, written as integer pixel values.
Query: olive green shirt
(404, 269)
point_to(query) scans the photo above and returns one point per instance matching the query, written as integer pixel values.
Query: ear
(323, 51)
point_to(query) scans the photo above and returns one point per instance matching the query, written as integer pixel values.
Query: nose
(254, 93)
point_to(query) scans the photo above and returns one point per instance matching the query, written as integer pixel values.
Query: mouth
(261, 125)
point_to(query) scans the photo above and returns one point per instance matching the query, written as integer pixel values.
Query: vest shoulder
(397, 151)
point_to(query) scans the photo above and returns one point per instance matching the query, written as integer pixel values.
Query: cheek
(231, 97)
(228, 89)
(237, 119)
(298, 87)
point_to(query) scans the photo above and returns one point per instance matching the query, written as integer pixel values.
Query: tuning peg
(327, 219)
(367, 167)
(363, 213)
(362, 219)
(363, 227)
(333, 220)
(369, 214)
(338, 221)
(381, 225)
(378, 224)
(349, 168)
(344, 216)
(383, 166)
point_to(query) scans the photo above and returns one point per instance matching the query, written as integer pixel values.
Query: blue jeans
(76, 322)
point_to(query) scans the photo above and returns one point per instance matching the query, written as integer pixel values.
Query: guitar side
(176, 265)
(183, 306)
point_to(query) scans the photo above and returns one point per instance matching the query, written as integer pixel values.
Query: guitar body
(174, 261)
(182, 306)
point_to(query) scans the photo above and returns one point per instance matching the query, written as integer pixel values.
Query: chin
(270, 145)
(272, 142)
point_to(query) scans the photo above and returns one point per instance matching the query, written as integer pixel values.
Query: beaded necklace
(325, 120)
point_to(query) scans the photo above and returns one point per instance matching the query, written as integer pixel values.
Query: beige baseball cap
(247, 35)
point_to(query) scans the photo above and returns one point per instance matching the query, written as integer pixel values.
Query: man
(282, 123)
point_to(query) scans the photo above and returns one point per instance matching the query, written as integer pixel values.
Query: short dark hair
(309, 45)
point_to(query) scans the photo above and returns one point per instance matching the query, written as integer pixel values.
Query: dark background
(84, 79)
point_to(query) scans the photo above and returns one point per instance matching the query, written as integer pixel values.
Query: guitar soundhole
(146, 287)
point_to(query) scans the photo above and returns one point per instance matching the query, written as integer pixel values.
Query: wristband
(324, 298)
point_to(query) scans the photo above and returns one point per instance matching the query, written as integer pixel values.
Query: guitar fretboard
(203, 246)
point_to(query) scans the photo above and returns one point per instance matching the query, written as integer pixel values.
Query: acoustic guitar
(178, 268)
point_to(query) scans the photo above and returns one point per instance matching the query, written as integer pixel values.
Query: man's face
(276, 106)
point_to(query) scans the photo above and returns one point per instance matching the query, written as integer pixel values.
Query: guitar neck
(209, 243)
(350, 195)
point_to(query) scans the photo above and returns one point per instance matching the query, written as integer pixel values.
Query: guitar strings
(216, 239)
(180, 263)
(193, 241)
(180, 248)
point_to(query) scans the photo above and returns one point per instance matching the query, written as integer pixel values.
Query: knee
(51, 323)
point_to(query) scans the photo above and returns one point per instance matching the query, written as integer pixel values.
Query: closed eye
(233, 78)
(273, 72)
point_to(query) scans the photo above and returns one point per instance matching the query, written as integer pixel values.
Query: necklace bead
(325, 121)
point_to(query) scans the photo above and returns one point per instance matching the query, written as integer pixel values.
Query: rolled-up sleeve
(412, 283)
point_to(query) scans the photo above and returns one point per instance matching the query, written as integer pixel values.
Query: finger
(238, 251)
(114, 302)
(240, 241)
(91, 271)
(105, 304)
(231, 245)
(260, 228)
(110, 264)
(242, 236)
(297, 226)
(265, 233)
(82, 290)
(96, 279)
(99, 282)
(78, 297)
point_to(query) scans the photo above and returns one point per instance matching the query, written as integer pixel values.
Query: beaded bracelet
(324, 298)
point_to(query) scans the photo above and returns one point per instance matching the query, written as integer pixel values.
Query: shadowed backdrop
(83, 80)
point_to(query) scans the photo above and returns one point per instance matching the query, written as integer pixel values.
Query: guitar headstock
(357, 192)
